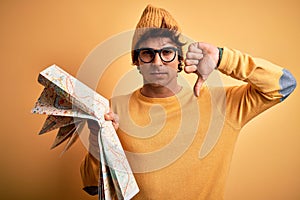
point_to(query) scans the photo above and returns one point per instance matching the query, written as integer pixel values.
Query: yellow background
(36, 34)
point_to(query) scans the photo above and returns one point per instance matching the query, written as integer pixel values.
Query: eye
(167, 51)
(146, 52)
(146, 55)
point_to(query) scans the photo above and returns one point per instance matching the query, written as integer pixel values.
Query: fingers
(190, 69)
(193, 58)
(114, 118)
(194, 47)
(189, 62)
(109, 116)
(201, 60)
(115, 122)
(210, 49)
(193, 55)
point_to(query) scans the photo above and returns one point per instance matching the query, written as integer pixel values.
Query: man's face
(159, 73)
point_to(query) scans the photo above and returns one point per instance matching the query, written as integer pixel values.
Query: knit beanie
(153, 17)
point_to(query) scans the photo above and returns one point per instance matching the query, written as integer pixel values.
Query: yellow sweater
(180, 147)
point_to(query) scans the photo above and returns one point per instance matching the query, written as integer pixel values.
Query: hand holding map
(68, 104)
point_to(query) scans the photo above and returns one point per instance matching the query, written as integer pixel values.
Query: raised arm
(267, 83)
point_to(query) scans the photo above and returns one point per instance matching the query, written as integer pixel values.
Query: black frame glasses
(166, 54)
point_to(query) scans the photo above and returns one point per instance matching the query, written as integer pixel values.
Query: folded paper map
(68, 104)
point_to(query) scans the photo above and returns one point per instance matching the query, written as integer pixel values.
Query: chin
(157, 84)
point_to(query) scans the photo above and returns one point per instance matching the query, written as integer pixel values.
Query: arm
(89, 171)
(268, 84)
(90, 165)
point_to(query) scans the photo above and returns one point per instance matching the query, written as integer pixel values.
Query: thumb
(198, 85)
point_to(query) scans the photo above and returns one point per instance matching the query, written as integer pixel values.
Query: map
(68, 104)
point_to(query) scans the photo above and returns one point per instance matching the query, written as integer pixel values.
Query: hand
(94, 130)
(202, 59)
(111, 116)
(114, 118)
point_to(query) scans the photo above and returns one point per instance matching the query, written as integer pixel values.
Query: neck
(154, 91)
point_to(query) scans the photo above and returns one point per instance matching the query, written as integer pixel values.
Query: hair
(156, 33)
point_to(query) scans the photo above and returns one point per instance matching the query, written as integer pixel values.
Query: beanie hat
(153, 17)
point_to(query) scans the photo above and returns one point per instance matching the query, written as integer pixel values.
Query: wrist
(220, 56)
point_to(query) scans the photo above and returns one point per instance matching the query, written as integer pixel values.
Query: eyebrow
(173, 46)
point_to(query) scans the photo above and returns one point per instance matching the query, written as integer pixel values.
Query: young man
(179, 143)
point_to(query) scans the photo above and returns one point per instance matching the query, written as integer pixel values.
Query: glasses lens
(147, 55)
(168, 54)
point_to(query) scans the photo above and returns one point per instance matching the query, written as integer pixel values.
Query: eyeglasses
(166, 54)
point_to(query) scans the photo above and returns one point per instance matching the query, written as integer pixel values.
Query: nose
(157, 60)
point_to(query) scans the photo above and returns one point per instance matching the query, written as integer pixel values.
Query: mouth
(158, 73)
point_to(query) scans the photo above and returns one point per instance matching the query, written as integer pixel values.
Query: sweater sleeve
(267, 85)
(89, 170)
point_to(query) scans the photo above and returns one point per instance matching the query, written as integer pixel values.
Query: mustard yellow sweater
(180, 147)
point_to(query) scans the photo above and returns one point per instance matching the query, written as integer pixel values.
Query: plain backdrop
(36, 34)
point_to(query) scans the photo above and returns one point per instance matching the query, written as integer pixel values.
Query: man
(179, 143)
